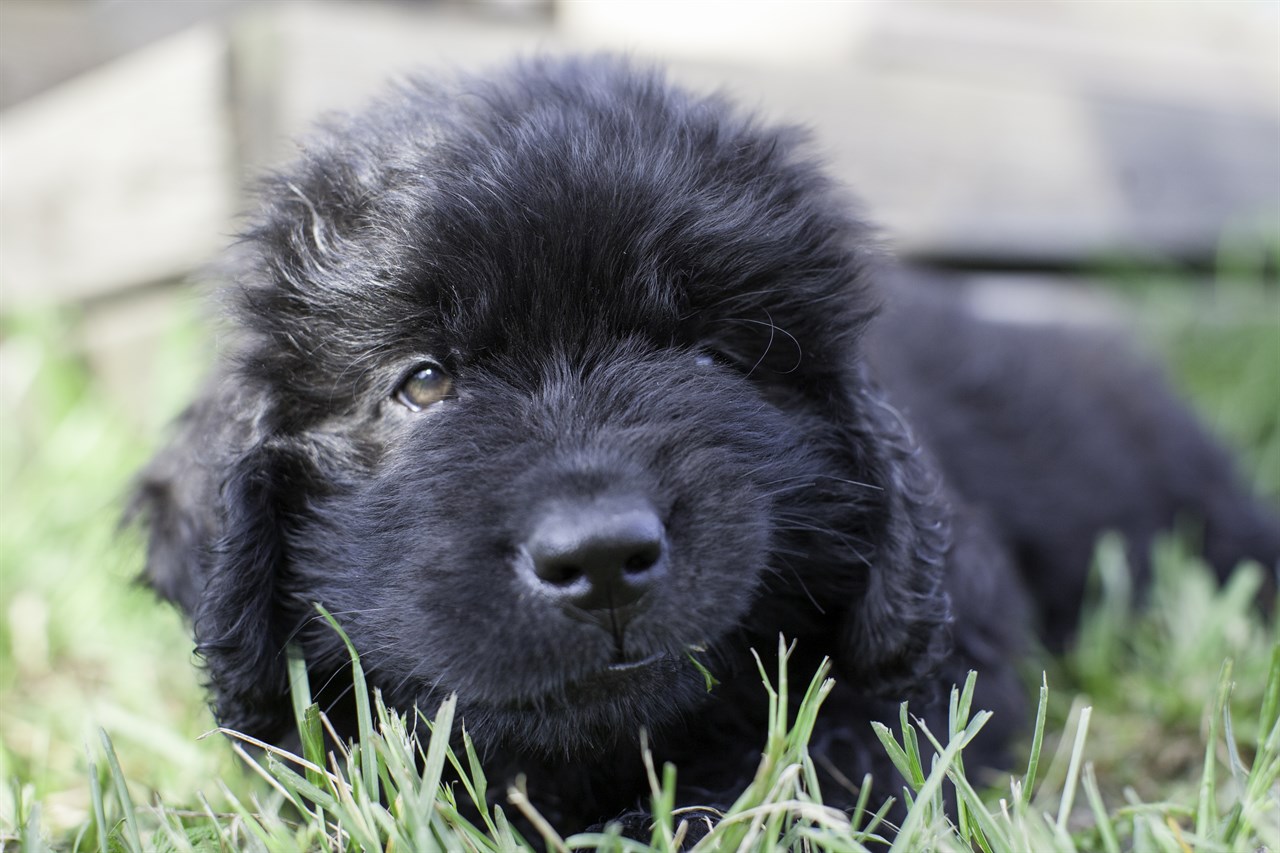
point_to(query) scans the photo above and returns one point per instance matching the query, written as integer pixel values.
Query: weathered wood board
(1014, 146)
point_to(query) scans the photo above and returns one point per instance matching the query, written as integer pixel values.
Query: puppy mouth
(650, 673)
(634, 665)
(650, 676)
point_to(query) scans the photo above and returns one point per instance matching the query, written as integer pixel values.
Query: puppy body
(1054, 435)
(659, 425)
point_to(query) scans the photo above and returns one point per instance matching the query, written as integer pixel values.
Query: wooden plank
(122, 176)
(1008, 148)
(1002, 146)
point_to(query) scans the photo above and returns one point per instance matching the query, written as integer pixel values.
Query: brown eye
(427, 385)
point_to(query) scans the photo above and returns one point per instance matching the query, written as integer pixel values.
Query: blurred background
(1032, 138)
(1096, 162)
(991, 136)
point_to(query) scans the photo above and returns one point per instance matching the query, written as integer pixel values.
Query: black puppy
(548, 383)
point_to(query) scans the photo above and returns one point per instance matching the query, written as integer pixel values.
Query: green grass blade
(1073, 770)
(247, 817)
(1102, 820)
(364, 716)
(95, 797)
(895, 752)
(306, 713)
(1037, 742)
(958, 717)
(909, 835)
(1207, 803)
(473, 781)
(1239, 772)
(911, 745)
(219, 832)
(438, 746)
(1270, 710)
(878, 820)
(28, 827)
(518, 798)
(262, 772)
(984, 830)
(132, 835)
(300, 787)
(860, 807)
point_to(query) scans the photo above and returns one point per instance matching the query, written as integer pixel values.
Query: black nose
(597, 555)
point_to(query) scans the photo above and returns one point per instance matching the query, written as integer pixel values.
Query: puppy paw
(691, 825)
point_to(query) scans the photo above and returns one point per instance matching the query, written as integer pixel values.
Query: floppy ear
(897, 632)
(209, 504)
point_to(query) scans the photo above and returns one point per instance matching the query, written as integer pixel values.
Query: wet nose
(597, 555)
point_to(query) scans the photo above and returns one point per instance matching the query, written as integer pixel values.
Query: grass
(1157, 732)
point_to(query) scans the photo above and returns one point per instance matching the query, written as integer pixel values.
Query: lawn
(1159, 729)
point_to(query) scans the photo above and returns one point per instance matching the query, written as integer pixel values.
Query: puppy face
(547, 384)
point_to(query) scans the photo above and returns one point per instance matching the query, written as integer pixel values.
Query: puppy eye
(427, 385)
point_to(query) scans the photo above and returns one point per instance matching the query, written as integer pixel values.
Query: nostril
(642, 560)
(557, 574)
(596, 555)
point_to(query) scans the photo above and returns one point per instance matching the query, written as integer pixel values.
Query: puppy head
(547, 382)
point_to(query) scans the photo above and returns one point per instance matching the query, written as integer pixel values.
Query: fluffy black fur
(642, 299)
